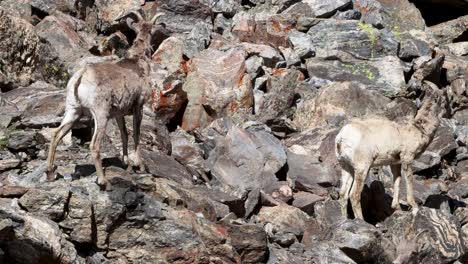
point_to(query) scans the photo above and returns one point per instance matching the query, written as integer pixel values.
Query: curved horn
(155, 17)
(138, 15)
(130, 22)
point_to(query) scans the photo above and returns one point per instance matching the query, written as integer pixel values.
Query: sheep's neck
(427, 120)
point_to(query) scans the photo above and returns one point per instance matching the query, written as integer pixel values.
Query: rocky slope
(261, 89)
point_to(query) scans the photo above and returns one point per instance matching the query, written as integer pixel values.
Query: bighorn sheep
(110, 90)
(373, 142)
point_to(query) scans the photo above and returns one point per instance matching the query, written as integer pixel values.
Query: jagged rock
(197, 40)
(62, 37)
(162, 165)
(285, 218)
(22, 140)
(302, 44)
(182, 15)
(262, 29)
(186, 151)
(169, 55)
(22, 50)
(279, 96)
(269, 55)
(351, 38)
(306, 201)
(398, 16)
(327, 213)
(318, 8)
(448, 31)
(109, 12)
(49, 6)
(359, 240)
(80, 216)
(458, 49)
(306, 172)
(50, 201)
(246, 160)
(40, 237)
(6, 164)
(385, 74)
(338, 102)
(437, 236)
(250, 241)
(226, 7)
(21, 8)
(182, 237)
(412, 45)
(226, 87)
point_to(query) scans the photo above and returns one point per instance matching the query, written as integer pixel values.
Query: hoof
(104, 185)
(50, 176)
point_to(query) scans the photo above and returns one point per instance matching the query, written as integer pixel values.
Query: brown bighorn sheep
(373, 142)
(110, 90)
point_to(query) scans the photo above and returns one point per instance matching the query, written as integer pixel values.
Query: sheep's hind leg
(346, 182)
(100, 124)
(396, 171)
(124, 136)
(71, 115)
(360, 176)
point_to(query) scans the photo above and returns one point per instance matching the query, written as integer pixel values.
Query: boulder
(246, 160)
(39, 236)
(216, 87)
(65, 41)
(263, 28)
(351, 38)
(446, 32)
(306, 201)
(181, 16)
(359, 240)
(250, 241)
(50, 201)
(22, 50)
(385, 74)
(318, 8)
(437, 236)
(398, 16)
(284, 218)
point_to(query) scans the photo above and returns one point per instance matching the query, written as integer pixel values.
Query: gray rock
(324, 8)
(351, 38)
(50, 201)
(398, 16)
(197, 40)
(162, 165)
(306, 201)
(226, 7)
(302, 44)
(250, 241)
(246, 160)
(359, 240)
(446, 32)
(22, 140)
(284, 218)
(384, 74)
(442, 230)
(182, 15)
(411, 47)
(62, 37)
(108, 13)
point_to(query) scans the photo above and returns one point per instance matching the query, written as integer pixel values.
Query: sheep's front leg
(124, 136)
(360, 176)
(409, 185)
(396, 171)
(137, 117)
(100, 124)
(346, 182)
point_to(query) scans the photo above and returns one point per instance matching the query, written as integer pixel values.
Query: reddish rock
(217, 85)
(263, 29)
(306, 201)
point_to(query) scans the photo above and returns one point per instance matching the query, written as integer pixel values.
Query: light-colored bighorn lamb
(110, 90)
(373, 142)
